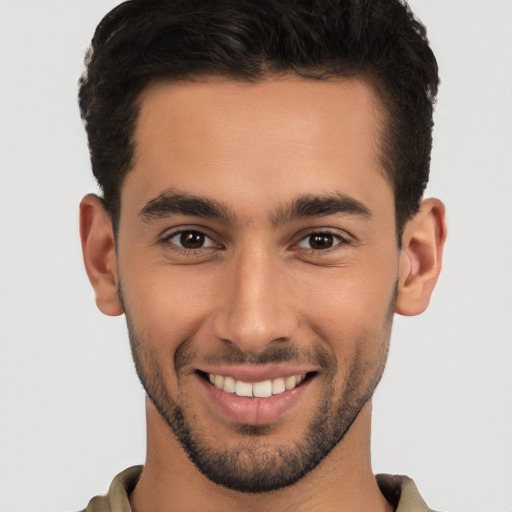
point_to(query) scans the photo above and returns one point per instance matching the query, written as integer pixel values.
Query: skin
(259, 286)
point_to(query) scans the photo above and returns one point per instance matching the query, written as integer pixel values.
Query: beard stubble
(256, 465)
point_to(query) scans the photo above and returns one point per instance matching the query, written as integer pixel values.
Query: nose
(255, 307)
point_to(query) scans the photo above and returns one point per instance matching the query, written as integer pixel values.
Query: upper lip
(248, 373)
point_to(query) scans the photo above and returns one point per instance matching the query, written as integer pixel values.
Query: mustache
(231, 354)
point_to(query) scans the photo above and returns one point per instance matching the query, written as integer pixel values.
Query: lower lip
(254, 411)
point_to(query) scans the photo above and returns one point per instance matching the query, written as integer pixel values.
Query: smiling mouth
(262, 389)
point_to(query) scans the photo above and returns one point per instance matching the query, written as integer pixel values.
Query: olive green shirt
(400, 491)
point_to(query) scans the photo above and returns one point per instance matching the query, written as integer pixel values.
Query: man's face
(257, 255)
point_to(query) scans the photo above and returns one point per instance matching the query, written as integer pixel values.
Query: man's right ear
(99, 252)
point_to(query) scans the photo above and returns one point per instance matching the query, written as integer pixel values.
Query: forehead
(282, 136)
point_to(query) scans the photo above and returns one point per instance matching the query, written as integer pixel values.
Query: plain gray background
(72, 410)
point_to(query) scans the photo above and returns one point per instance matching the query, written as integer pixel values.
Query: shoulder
(402, 493)
(117, 498)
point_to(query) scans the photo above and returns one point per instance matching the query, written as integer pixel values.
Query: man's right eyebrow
(176, 203)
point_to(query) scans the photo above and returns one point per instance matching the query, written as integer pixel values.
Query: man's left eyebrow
(321, 206)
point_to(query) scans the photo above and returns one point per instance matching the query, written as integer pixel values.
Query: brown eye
(191, 240)
(320, 241)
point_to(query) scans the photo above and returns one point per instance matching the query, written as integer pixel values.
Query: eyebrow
(321, 206)
(173, 202)
(177, 203)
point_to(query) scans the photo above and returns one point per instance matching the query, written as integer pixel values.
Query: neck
(343, 481)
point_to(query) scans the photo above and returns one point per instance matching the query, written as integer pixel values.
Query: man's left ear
(421, 257)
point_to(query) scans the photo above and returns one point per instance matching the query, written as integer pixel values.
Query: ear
(99, 252)
(421, 257)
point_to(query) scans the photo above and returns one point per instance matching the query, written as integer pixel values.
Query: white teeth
(278, 386)
(243, 388)
(263, 389)
(290, 382)
(229, 385)
(219, 381)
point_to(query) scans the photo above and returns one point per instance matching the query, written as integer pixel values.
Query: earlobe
(99, 253)
(421, 257)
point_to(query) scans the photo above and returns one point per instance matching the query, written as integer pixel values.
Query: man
(262, 166)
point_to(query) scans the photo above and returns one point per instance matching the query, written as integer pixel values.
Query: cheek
(166, 304)
(351, 309)
(341, 305)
